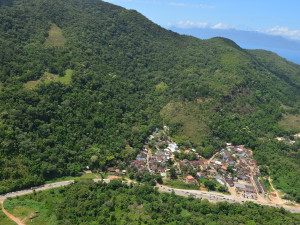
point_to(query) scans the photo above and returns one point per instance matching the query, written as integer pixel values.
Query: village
(233, 169)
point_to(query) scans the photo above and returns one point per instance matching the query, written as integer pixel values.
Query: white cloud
(284, 31)
(221, 26)
(205, 6)
(190, 24)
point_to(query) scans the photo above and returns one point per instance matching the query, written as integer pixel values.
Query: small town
(232, 169)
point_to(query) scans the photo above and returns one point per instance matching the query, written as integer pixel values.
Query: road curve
(210, 196)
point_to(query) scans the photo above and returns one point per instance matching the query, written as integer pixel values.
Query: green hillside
(128, 77)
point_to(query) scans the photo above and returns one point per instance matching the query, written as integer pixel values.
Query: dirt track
(15, 219)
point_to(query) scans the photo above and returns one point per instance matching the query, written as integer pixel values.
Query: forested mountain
(83, 83)
(286, 48)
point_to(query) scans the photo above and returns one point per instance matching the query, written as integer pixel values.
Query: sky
(275, 17)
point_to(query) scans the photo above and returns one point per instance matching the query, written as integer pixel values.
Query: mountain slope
(109, 76)
(249, 39)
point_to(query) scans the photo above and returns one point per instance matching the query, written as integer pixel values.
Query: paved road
(215, 197)
(210, 196)
(40, 188)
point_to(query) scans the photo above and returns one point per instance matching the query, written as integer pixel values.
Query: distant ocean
(290, 55)
(286, 48)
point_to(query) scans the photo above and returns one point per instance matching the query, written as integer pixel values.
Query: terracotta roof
(224, 167)
(190, 178)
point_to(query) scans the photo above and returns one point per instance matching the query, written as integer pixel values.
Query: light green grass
(4, 220)
(162, 86)
(181, 185)
(55, 37)
(191, 116)
(77, 178)
(50, 77)
(67, 78)
(290, 122)
(25, 206)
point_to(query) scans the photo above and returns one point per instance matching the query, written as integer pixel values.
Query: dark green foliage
(210, 185)
(126, 70)
(173, 174)
(282, 162)
(117, 203)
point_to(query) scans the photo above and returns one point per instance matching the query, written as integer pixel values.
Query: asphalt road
(211, 197)
(39, 188)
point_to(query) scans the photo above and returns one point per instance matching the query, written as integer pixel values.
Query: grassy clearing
(180, 185)
(43, 201)
(46, 202)
(77, 178)
(31, 84)
(25, 206)
(191, 118)
(55, 37)
(66, 79)
(290, 122)
(50, 77)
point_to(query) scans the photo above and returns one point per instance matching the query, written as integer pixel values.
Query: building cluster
(141, 161)
(235, 167)
(155, 159)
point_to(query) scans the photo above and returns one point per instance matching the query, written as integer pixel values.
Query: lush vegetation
(83, 83)
(117, 203)
(282, 161)
(5, 220)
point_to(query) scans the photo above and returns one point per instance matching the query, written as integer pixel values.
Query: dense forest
(117, 203)
(83, 83)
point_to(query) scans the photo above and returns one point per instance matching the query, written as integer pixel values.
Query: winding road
(210, 196)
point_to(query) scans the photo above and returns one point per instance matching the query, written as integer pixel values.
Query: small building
(203, 167)
(241, 188)
(111, 170)
(173, 147)
(220, 180)
(201, 174)
(230, 183)
(264, 189)
(224, 168)
(190, 179)
(218, 163)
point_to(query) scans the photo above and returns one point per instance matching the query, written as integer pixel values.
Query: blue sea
(290, 55)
